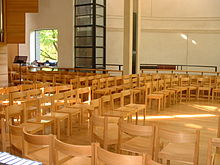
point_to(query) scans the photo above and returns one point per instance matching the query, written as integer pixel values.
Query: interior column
(128, 36)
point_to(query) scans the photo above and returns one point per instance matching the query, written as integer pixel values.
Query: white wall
(53, 14)
(163, 23)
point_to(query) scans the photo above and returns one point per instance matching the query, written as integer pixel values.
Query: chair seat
(155, 96)
(41, 155)
(78, 160)
(136, 106)
(179, 152)
(69, 110)
(138, 145)
(32, 128)
(55, 115)
(204, 88)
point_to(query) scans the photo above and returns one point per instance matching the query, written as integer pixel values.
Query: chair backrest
(17, 97)
(126, 94)
(38, 140)
(147, 131)
(73, 83)
(4, 133)
(13, 89)
(106, 103)
(95, 107)
(104, 157)
(82, 82)
(171, 136)
(15, 137)
(84, 94)
(14, 112)
(34, 94)
(99, 122)
(184, 81)
(49, 91)
(71, 97)
(63, 88)
(70, 151)
(214, 143)
(110, 81)
(103, 83)
(26, 87)
(116, 100)
(58, 101)
(46, 104)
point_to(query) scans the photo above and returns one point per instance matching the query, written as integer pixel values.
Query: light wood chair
(104, 157)
(68, 154)
(216, 90)
(213, 157)
(204, 88)
(49, 91)
(177, 146)
(103, 132)
(51, 114)
(142, 138)
(41, 147)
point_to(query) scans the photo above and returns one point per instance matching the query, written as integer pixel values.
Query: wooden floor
(183, 116)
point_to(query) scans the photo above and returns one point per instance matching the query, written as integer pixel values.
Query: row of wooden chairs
(51, 151)
(161, 144)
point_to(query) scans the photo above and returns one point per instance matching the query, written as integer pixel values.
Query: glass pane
(100, 20)
(99, 41)
(84, 31)
(99, 61)
(83, 52)
(84, 62)
(99, 31)
(84, 10)
(99, 10)
(101, 2)
(81, 2)
(84, 41)
(99, 52)
(84, 20)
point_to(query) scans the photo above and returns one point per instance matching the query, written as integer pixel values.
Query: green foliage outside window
(48, 45)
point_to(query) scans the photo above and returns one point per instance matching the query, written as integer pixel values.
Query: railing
(1, 21)
(48, 68)
(179, 72)
(112, 65)
(175, 67)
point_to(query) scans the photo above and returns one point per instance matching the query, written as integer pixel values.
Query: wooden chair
(177, 146)
(213, 157)
(142, 138)
(68, 154)
(41, 147)
(102, 88)
(82, 82)
(104, 157)
(73, 83)
(136, 108)
(51, 114)
(103, 132)
(216, 90)
(204, 88)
